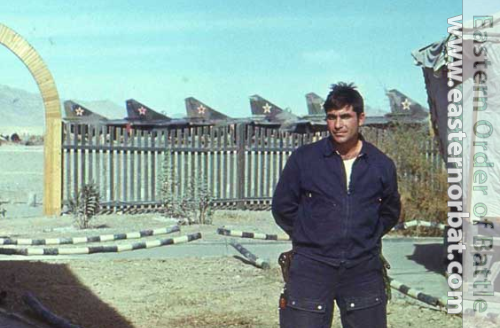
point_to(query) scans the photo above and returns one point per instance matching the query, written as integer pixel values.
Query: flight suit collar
(330, 149)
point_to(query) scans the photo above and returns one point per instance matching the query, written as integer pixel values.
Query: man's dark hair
(344, 94)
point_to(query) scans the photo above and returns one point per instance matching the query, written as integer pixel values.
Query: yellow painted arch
(52, 144)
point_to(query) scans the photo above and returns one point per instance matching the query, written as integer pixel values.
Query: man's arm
(390, 207)
(286, 196)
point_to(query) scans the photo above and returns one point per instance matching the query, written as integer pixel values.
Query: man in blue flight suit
(336, 198)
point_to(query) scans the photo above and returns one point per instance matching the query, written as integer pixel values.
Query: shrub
(422, 181)
(199, 201)
(195, 205)
(86, 205)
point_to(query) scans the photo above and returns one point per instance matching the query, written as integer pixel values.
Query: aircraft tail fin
(197, 110)
(315, 104)
(76, 112)
(137, 111)
(404, 107)
(263, 107)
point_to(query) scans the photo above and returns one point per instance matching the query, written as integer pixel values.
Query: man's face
(344, 124)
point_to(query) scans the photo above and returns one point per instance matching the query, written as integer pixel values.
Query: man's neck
(349, 151)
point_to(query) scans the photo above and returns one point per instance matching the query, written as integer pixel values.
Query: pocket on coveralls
(318, 211)
(365, 311)
(363, 302)
(301, 313)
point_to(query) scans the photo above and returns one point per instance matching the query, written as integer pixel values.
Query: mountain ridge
(23, 111)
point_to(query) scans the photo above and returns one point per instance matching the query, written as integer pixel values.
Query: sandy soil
(183, 292)
(21, 173)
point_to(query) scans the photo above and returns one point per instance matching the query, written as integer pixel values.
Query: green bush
(422, 178)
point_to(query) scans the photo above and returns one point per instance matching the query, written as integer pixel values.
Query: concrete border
(92, 239)
(31, 251)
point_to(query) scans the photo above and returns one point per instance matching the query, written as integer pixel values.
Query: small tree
(195, 203)
(86, 205)
(199, 200)
(168, 185)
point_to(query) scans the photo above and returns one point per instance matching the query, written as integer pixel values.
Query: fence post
(240, 164)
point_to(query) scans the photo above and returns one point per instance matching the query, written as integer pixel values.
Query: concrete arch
(52, 143)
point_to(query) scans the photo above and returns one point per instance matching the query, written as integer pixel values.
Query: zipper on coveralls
(345, 219)
(348, 206)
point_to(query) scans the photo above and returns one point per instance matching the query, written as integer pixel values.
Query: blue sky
(221, 52)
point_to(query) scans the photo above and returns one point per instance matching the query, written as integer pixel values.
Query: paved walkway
(416, 262)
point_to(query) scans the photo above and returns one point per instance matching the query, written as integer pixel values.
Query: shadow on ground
(430, 255)
(58, 289)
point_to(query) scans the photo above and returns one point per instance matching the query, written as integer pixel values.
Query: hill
(22, 111)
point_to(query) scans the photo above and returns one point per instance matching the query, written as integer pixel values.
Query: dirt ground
(148, 293)
(153, 293)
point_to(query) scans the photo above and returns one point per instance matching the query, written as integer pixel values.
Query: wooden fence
(239, 164)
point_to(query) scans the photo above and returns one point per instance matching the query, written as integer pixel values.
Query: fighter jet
(200, 112)
(266, 110)
(137, 111)
(141, 115)
(404, 109)
(268, 114)
(80, 114)
(317, 113)
(315, 105)
(378, 121)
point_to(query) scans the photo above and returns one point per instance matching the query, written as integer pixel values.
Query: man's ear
(361, 119)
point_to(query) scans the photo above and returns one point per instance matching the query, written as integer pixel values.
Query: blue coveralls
(336, 235)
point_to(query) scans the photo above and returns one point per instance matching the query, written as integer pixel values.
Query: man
(336, 198)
